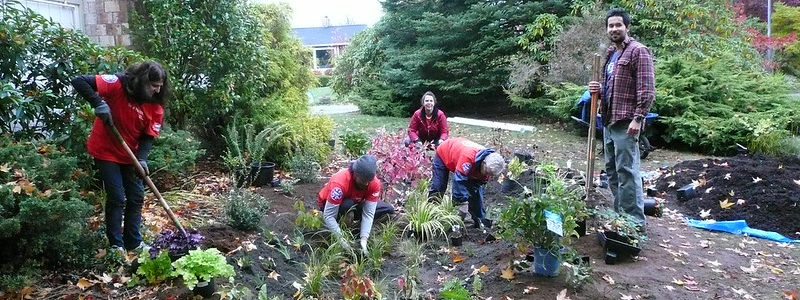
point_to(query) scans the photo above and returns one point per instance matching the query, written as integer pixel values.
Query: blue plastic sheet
(740, 227)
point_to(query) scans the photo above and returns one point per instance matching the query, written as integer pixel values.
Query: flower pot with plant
(619, 234)
(199, 268)
(247, 150)
(525, 221)
(176, 244)
(511, 183)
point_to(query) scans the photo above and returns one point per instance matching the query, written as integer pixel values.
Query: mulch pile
(764, 190)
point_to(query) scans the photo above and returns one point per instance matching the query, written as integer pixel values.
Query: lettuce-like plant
(202, 265)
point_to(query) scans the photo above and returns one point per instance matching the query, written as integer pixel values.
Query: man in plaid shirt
(626, 96)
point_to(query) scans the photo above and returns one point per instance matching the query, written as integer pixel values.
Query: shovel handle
(146, 178)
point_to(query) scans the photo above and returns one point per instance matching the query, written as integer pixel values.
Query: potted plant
(456, 236)
(246, 152)
(525, 221)
(654, 207)
(199, 268)
(515, 169)
(619, 234)
(176, 244)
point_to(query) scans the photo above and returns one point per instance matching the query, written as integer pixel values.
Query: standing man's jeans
(622, 166)
(124, 196)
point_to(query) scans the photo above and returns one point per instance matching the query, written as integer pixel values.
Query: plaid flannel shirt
(632, 85)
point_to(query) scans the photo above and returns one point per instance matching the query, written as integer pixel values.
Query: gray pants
(622, 166)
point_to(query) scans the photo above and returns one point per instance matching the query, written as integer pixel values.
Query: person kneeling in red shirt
(355, 187)
(473, 166)
(428, 124)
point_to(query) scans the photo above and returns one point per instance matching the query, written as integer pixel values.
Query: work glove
(103, 112)
(364, 246)
(345, 245)
(143, 163)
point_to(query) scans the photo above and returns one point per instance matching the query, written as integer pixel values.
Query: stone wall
(106, 21)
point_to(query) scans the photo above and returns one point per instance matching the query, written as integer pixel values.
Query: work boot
(143, 247)
(119, 251)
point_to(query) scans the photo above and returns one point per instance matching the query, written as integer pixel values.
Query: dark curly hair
(139, 75)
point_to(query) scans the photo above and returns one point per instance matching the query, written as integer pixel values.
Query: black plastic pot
(332, 143)
(686, 192)
(615, 245)
(205, 289)
(581, 229)
(456, 241)
(652, 192)
(262, 173)
(523, 156)
(510, 186)
(651, 207)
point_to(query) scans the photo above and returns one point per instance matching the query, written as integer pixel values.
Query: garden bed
(762, 190)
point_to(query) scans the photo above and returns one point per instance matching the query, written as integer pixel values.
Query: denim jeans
(469, 191)
(124, 200)
(622, 166)
(381, 209)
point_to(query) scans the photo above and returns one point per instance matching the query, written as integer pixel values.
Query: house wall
(106, 21)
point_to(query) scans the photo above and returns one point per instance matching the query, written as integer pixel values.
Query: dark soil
(770, 203)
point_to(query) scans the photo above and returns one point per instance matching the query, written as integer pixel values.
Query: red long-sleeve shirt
(423, 129)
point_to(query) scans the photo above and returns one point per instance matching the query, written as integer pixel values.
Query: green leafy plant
(247, 147)
(428, 219)
(202, 265)
(317, 269)
(453, 290)
(244, 209)
(523, 219)
(515, 168)
(621, 223)
(155, 270)
(288, 188)
(304, 168)
(413, 257)
(308, 220)
(354, 143)
(477, 284)
(580, 271)
(174, 152)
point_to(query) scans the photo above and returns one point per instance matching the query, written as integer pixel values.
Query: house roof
(327, 35)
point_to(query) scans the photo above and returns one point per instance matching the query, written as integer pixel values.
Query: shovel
(146, 179)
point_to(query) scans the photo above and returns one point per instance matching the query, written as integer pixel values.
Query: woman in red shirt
(428, 124)
(133, 102)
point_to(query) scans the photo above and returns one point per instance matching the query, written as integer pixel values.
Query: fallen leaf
(726, 204)
(83, 283)
(731, 193)
(740, 202)
(757, 179)
(708, 190)
(562, 295)
(5, 168)
(728, 176)
(714, 263)
(625, 297)
(672, 183)
(669, 288)
(507, 273)
(105, 278)
(483, 269)
(274, 275)
(797, 182)
(457, 258)
(790, 295)
(100, 253)
(705, 165)
(705, 213)
(677, 282)
(752, 269)
(608, 279)
(776, 271)
(529, 290)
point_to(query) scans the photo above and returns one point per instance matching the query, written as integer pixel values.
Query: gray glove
(103, 112)
(364, 246)
(143, 163)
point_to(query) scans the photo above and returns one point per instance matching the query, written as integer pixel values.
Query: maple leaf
(728, 176)
(726, 204)
(677, 282)
(274, 275)
(83, 283)
(483, 269)
(457, 258)
(790, 295)
(529, 289)
(562, 295)
(752, 269)
(608, 279)
(714, 263)
(625, 297)
(705, 213)
(100, 253)
(757, 179)
(5, 168)
(708, 190)
(507, 273)
(731, 193)
(797, 182)
(705, 165)
(672, 183)
(669, 288)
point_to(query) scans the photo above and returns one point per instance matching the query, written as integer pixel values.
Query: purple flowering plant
(176, 243)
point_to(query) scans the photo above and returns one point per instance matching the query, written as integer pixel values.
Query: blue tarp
(740, 227)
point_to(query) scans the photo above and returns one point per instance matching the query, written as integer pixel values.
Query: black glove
(103, 112)
(143, 163)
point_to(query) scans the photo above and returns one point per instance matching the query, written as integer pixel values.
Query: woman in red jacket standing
(428, 124)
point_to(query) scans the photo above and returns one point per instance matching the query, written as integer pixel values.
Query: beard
(617, 38)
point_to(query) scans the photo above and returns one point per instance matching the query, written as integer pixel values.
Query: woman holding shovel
(133, 103)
